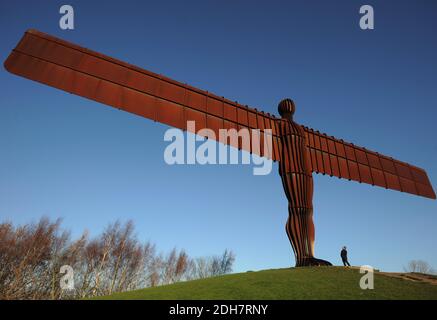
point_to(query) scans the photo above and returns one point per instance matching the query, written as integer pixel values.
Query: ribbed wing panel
(338, 158)
(66, 66)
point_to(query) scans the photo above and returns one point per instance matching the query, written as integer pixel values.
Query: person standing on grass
(343, 255)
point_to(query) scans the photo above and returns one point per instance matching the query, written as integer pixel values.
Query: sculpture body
(297, 180)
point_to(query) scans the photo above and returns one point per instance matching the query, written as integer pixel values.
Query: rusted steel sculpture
(297, 180)
(299, 150)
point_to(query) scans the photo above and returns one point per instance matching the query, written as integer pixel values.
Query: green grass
(284, 284)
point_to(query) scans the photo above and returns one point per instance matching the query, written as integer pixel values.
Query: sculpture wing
(69, 67)
(345, 160)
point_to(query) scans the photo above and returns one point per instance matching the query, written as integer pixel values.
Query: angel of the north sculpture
(299, 150)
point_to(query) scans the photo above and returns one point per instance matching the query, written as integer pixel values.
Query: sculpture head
(286, 108)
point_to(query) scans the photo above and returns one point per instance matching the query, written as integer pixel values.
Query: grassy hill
(291, 283)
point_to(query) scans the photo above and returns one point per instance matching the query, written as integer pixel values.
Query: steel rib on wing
(66, 66)
(345, 160)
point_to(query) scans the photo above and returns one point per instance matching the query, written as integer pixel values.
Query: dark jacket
(344, 254)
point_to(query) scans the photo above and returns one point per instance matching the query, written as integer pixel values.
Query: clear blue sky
(64, 156)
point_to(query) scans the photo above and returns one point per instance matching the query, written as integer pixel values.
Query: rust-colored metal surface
(338, 158)
(89, 74)
(299, 149)
(297, 180)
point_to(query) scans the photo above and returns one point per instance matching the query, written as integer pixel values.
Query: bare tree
(202, 268)
(419, 266)
(32, 255)
(226, 262)
(181, 268)
(205, 267)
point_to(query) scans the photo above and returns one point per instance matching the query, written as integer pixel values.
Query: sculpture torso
(294, 148)
(294, 167)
